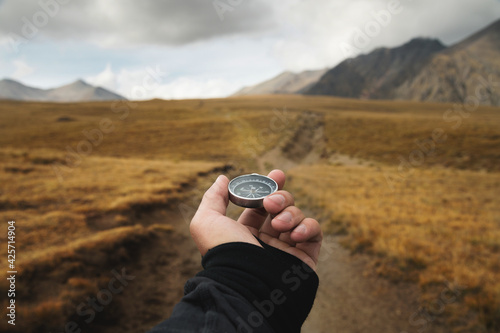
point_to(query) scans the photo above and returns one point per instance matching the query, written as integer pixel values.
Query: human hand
(279, 223)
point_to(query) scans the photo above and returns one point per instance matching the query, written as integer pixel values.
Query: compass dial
(250, 190)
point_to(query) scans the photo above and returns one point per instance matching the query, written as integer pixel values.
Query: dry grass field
(439, 226)
(94, 187)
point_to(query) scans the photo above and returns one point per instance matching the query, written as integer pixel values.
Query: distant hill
(78, 91)
(421, 70)
(10, 89)
(284, 83)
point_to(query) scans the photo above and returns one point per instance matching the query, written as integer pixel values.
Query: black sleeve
(245, 288)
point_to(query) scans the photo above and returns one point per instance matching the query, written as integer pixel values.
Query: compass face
(250, 190)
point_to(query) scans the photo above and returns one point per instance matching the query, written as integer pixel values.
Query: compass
(250, 190)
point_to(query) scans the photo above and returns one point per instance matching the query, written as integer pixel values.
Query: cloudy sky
(206, 48)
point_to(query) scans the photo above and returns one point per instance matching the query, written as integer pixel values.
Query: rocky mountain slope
(468, 73)
(375, 75)
(422, 70)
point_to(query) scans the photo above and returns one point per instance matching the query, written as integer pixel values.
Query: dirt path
(350, 299)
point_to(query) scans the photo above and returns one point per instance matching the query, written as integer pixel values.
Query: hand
(279, 223)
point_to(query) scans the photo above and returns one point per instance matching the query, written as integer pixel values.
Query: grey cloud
(171, 22)
(449, 20)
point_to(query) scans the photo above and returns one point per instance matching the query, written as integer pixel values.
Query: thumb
(215, 199)
(210, 227)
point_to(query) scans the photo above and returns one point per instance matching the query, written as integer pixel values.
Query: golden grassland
(59, 238)
(76, 208)
(431, 221)
(54, 212)
(439, 225)
(176, 130)
(465, 143)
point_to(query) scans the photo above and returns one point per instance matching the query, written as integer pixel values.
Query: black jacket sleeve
(245, 288)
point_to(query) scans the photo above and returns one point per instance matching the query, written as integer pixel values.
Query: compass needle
(250, 190)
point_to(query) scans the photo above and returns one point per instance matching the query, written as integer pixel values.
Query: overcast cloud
(128, 22)
(207, 50)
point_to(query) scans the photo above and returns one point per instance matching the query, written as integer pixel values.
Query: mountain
(10, 89)
(78, 91)
(422, 70)
(81, 91)
(467, 72)
(374, 75)
(284, 83)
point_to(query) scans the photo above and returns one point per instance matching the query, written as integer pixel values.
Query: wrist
(280, 286)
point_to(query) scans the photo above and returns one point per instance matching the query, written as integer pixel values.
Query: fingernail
(301, 229)
(285, 217)
(278, 199)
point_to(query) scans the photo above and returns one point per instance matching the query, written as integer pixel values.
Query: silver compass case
(250, 190)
